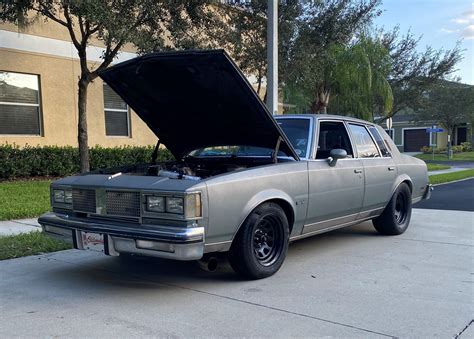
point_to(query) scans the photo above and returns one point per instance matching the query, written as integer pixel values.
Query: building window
(117, 117)
(20, 112)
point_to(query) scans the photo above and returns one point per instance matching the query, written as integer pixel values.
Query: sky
(440, 22)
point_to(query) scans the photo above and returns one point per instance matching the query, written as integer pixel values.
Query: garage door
(415, 139)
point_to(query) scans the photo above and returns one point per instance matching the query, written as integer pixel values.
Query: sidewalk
(13, 227)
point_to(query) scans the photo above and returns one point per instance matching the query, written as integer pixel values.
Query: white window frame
(40, 111)
(127, 110)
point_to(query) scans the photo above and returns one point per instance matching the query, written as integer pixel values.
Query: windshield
(296, 129)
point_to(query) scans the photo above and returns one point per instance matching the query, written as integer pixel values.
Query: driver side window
(332, 135)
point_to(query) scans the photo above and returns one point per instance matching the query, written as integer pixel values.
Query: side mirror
(335, 155)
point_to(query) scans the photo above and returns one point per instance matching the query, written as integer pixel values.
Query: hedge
(54, 161)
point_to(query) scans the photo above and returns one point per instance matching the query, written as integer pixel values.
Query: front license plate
(93, 241)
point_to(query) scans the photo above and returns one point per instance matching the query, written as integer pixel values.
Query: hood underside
(195, 99)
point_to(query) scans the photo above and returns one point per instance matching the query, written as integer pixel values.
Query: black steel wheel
(268, 240)
(260, 246)
(396, 217)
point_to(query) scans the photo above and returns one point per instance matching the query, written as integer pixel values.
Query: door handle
(358, 170)
(391, 168)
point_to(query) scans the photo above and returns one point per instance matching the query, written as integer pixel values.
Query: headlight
(155, 204)
(175, 205)
(62, 196)
(59, 196)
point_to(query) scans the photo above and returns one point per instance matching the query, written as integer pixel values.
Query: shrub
(55, 161)
(426, 149)
(466, 146)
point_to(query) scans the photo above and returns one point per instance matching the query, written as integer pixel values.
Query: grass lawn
(15, 246)
(437, 167)
(464, 156)
(23, 199)
(447, 177)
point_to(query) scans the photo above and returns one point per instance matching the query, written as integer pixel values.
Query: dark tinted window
(380, 142)
(19, 104)
(116, 114)
(297, 131)
(365, 145)
(332, 135)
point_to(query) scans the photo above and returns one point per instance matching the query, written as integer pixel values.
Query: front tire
(396, 217)
(260, 246)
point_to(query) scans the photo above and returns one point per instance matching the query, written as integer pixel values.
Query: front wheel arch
(272, 196)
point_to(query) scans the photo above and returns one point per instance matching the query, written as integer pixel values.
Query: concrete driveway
(350, 282)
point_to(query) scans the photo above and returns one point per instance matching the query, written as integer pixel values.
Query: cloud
(468, 32)
(465, 23)
(449, 31)
(460, 21)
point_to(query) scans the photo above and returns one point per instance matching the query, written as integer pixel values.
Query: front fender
(260, 198)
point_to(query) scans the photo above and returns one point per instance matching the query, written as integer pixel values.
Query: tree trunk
(82, 137)
(320, 104)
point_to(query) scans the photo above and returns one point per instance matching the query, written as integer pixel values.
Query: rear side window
(380, 142)
(365, 145)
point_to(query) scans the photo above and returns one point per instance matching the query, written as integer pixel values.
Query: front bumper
(429, 188)
(178, 243)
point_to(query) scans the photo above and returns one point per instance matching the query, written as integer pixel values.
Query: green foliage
(463, 156)
(15, 246)
(24, 199)
(436, 167)
(466, 146)
(414, 70)
(54, 161)
(448, 103)
(453, 176)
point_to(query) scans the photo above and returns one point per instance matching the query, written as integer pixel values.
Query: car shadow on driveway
(100, 271)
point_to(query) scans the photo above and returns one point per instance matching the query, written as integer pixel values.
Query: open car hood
(195, 99)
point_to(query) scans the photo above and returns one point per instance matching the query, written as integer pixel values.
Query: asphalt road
(348, 283)
(458, 196)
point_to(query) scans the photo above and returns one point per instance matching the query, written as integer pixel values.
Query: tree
(243, 33)
(323, 38)
(448, 103)
(358, 80)
(149, 24)
(413, 73)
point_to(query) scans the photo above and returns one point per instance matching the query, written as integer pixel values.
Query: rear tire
(260, 246)
(396, 217)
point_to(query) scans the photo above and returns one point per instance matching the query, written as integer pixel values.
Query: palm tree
(355, 77)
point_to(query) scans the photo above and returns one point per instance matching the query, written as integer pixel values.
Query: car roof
(325, 117)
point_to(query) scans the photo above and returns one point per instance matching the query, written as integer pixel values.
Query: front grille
(122, 203)
(83, 200)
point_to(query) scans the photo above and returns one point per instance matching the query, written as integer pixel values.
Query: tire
(260, 246)
(395, 219)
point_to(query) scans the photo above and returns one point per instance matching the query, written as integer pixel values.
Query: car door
(335, 193)
(380, 169)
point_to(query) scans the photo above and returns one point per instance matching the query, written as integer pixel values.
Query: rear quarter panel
(232, 196)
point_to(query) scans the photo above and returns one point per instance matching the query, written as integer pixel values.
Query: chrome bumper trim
(429, 188)
(157, 241)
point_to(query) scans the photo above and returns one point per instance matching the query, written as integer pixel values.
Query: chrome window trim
(309, 148)
(376, 144)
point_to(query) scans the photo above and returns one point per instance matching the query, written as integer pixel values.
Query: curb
(452, 182)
